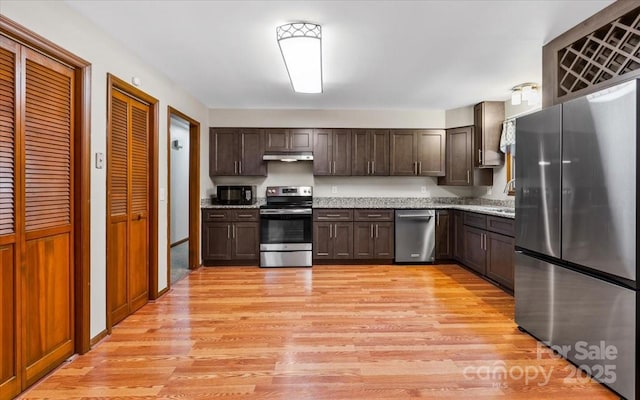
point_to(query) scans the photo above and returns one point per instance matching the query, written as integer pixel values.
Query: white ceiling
(376, 54)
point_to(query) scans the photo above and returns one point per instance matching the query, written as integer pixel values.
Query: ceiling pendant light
(301, 47)
(525, 92)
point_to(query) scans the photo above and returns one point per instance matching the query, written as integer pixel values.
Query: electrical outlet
(489, 191)
(423, 189)
(334, 189)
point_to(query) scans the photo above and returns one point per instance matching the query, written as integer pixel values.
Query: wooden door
(216, 241)
(383, 240)
(10, 370)
(379, 152)
(322, 141)
(459, 156)
(128, 206)
(363, 245)
(246, 241)
(360, 163)
(402, 153)
(322, 240)
(223, 160)
(276, 139)
(341, 152)
(300, 139)
(250, 152)
(430, 152)
(342, 240)
(443, 235)
(474, 253)
(47, 167)
(500, 258)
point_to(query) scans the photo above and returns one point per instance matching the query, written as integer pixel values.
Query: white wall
(301, 173)
(458, 117)
(56, 21)
(179, 217)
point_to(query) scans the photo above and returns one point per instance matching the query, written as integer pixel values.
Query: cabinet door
(363, 244)
(216, 241)
(222, 151)
(379, 152)
(341, 152)
(443, 235)
(322, 240)
(276, 140)
(500, 258)
(487, 122)
(477, 133)
(342, 240)
(431, 152)
(246, 241)
(458, 236)
(402, 154)
(459, 169)
(474, 253)
(300, 139)
(383, 240)
(322, 152)
(360, 163)
(251, 150)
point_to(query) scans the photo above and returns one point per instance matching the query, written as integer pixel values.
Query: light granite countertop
(500, 209)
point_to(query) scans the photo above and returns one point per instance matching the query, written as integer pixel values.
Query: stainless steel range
(286, 227)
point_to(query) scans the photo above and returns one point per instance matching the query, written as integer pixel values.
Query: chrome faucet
(511, 185)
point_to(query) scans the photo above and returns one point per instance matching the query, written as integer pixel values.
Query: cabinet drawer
(477, 220)
(245, 215)
(213, 215)
(501, 225)
(373, 215)
(332, 214)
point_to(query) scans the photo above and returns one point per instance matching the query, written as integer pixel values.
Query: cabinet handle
(468, 177)
(334, 167)
(420, 168)
(437, 219)
(373, 167)
(240, 167)
(228, 231)
(376, 231)
(479, 156)
(368, 167)
(330, 231)
(244, 215)
(235, 167)
(371, 230)
(415, 168)
(332, 216)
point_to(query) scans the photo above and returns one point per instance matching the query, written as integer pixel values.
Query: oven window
(285, 230)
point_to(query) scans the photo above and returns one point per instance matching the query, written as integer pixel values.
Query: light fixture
(529, 92)
(301, 47)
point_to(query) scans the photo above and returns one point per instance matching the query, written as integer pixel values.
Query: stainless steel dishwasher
(415, 235)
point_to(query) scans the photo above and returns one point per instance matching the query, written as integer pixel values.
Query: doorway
(184, 195)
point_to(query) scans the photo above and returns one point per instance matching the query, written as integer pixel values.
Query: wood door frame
(194, 190)
(82, 173)
(115, 83)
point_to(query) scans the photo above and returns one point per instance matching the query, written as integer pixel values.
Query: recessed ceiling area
(376, 54)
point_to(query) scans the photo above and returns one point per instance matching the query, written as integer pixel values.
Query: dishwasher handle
(416, 214)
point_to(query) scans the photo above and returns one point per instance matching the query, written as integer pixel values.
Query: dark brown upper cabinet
(459, 169)
(332, 152)
(288, 140)
(236, 151)
(417, 152)
(369, 152)
(487, 122)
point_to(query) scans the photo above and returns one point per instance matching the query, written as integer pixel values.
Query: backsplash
(354, 201)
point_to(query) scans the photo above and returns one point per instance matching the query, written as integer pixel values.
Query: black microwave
(235, 194)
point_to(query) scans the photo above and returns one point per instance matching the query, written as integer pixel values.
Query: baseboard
(95, 340)
(162, 292)
(179, 242)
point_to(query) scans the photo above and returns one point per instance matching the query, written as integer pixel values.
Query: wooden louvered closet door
(36, 216)
(128, 206)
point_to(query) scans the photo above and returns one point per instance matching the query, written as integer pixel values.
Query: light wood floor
(331, 332)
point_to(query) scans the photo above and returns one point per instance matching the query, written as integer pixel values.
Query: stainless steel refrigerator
(576, 232)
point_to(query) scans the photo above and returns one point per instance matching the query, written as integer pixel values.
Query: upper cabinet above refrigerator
(599, 173)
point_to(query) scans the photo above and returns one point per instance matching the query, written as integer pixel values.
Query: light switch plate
(99, 160)
(334, 189)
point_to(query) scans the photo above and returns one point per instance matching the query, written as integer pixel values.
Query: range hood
(288, 157)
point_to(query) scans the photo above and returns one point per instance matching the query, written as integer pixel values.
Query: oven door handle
(299, 211)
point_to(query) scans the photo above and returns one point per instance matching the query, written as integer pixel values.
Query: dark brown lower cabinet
(500, 258)
(458, 237)
(227, 239)
(444, 242)
(332, 240)
(475, 256)
(373, 240)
